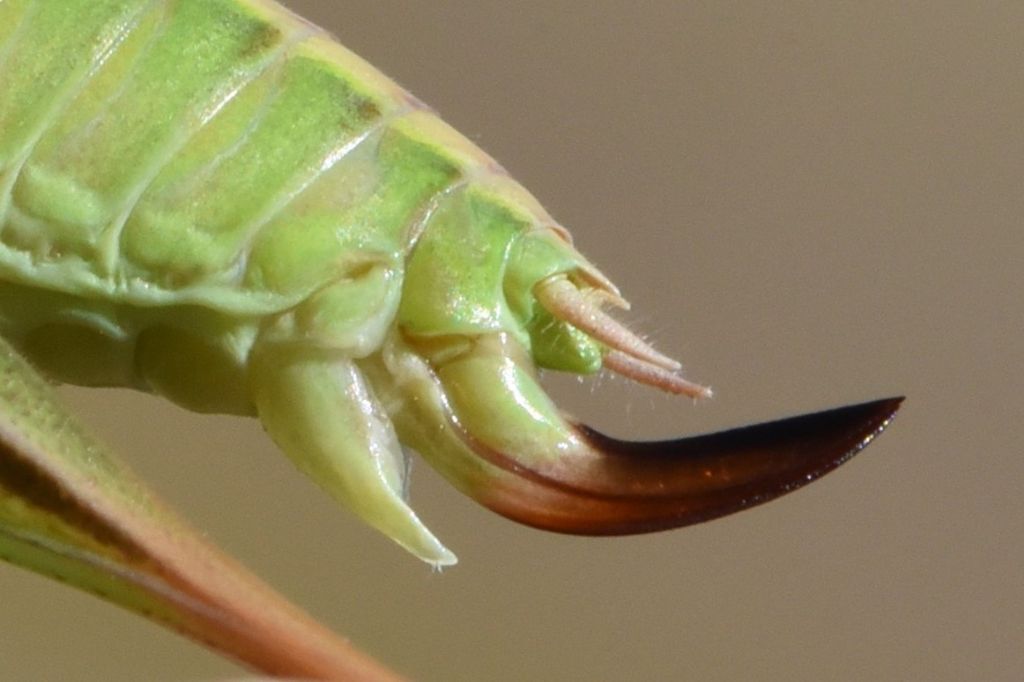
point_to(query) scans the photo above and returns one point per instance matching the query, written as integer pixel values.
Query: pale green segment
(12, 12)
(50, 207)
(458, 266)
(474, 268)
(559, 345)
(39, 74)
(87, 169)
(314, 111)
(359, 212)
(515, 416)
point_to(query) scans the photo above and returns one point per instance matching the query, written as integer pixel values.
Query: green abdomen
(218, 152)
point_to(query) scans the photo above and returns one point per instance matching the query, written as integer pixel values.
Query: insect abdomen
(212, 151)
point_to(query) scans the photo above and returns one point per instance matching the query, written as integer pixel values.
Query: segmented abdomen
(220, 151)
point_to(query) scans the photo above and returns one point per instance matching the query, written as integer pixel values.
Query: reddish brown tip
(624, 488)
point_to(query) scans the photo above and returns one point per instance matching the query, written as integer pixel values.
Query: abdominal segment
(217, 152)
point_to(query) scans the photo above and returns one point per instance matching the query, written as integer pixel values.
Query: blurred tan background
(812, 203)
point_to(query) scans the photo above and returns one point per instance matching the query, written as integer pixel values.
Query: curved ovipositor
(486, 425)
(639, 487)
